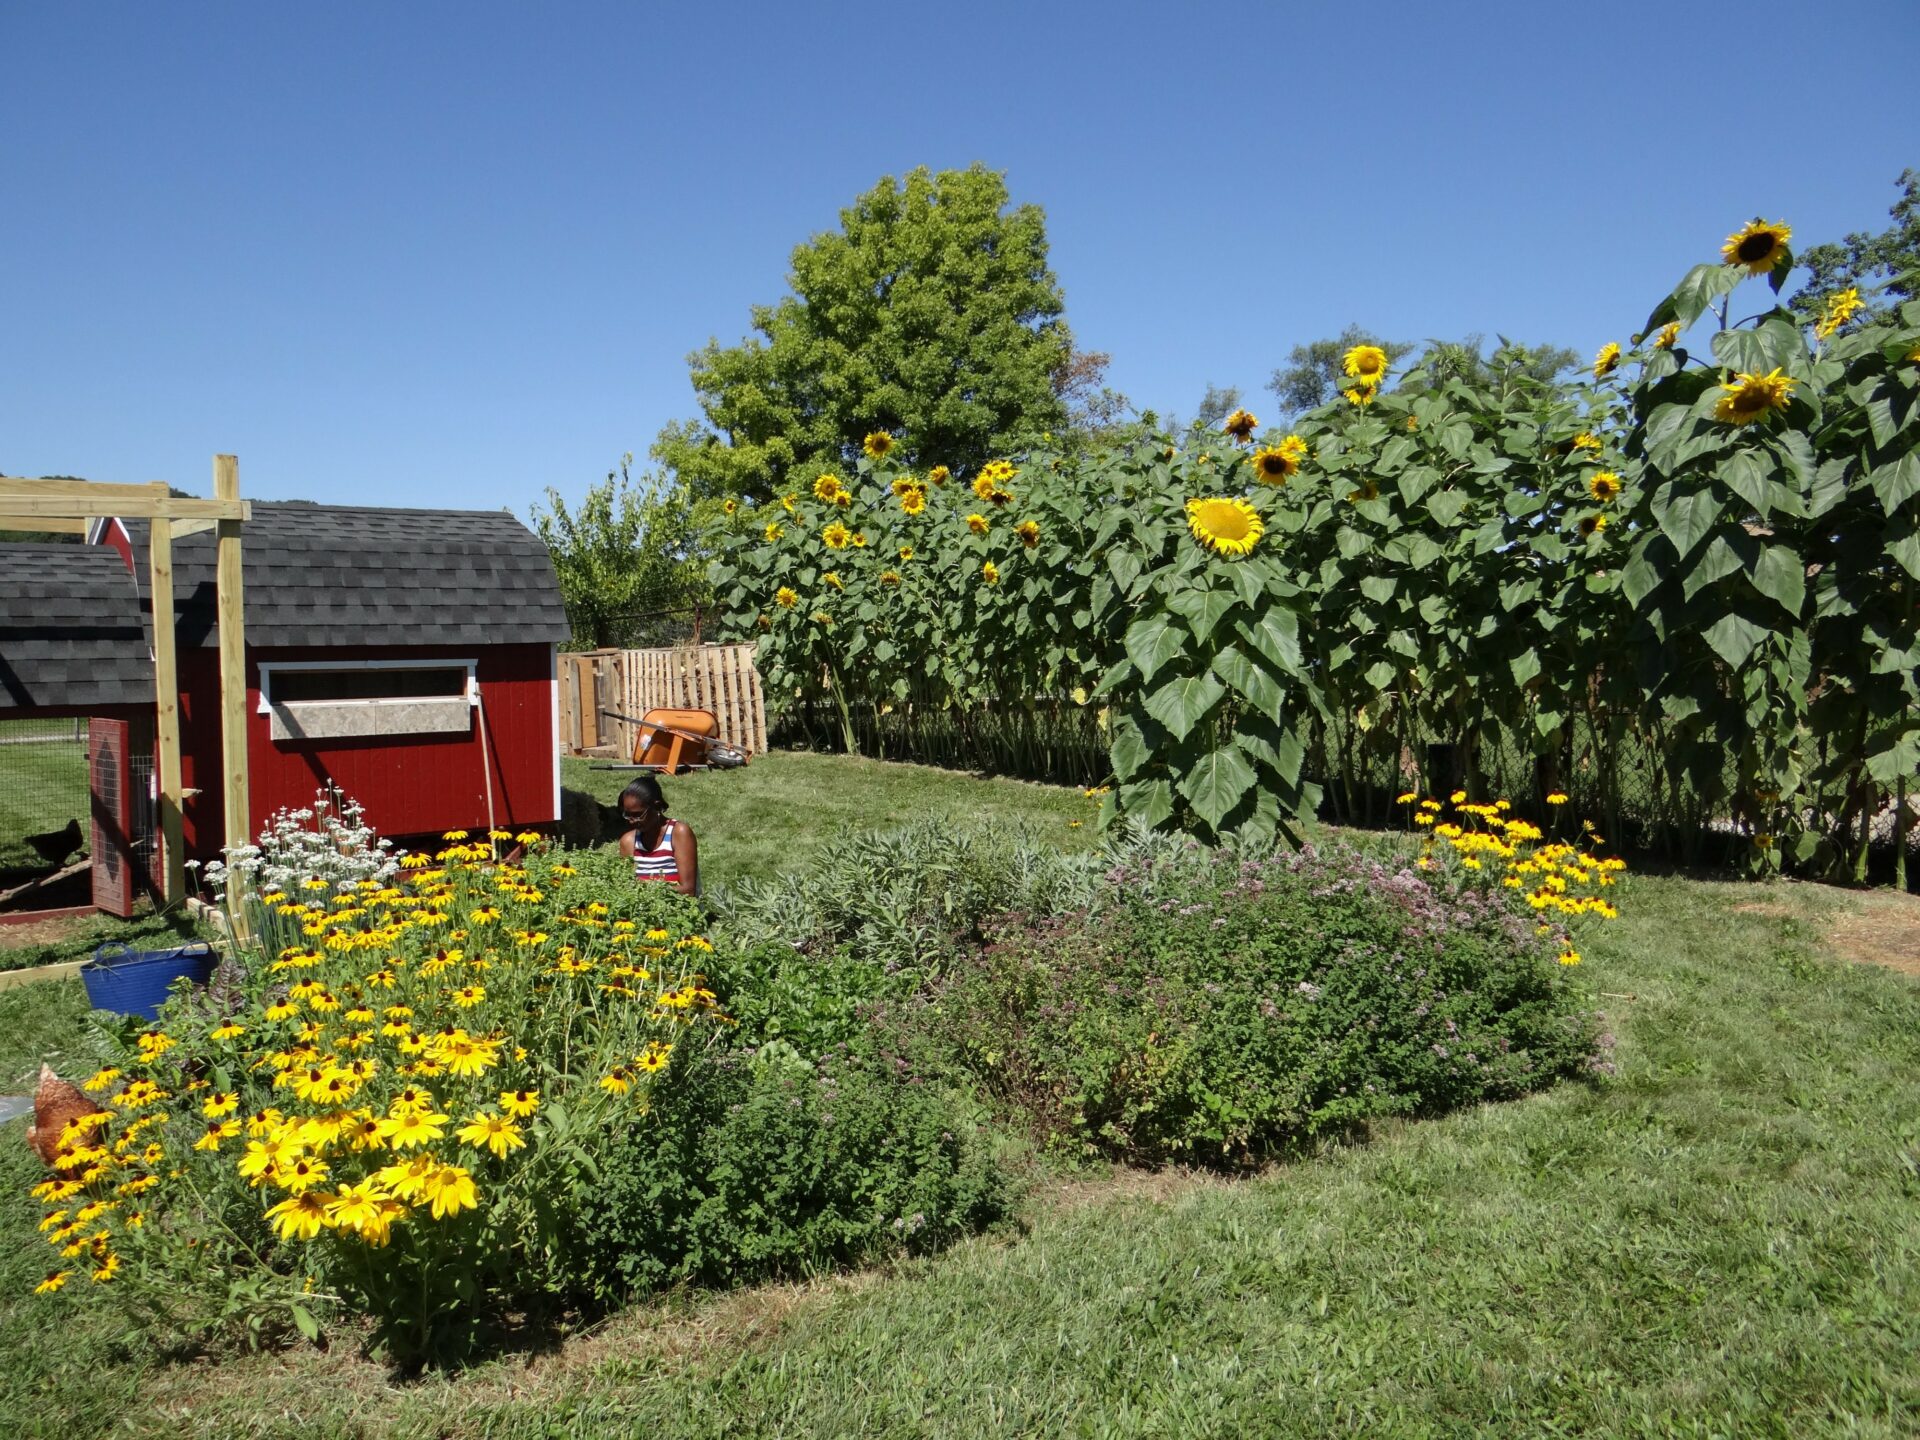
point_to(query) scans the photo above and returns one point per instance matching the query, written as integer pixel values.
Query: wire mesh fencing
(44, 804)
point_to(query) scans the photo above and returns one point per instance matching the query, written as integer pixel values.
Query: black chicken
(54, 846)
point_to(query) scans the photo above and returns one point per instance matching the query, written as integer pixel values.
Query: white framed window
(354, 699)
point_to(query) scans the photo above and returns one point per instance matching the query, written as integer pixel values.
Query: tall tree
(1094, 409)
(1884, 267)
(929, 313)
(630, 552)
(1311, 376)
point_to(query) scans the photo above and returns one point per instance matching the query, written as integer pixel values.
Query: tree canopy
(930, 313)
(1885, 266)
(629, 552)
(1311, 376)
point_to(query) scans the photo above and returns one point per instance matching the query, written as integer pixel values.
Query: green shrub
(1221, 1010)
(909, 899)
(770, 1165)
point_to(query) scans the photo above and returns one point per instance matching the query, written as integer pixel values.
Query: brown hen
(57, 1104)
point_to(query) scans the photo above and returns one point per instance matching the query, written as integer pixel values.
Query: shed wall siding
(411, 785)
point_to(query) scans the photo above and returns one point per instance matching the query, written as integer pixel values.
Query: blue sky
(449, 255)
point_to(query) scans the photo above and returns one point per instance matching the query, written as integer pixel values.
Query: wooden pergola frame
(64, 507)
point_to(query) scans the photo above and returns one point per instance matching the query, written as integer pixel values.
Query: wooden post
(229, 602)
(166, 687)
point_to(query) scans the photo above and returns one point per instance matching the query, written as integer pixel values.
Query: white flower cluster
(331, 842)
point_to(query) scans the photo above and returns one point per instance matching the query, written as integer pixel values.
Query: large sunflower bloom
(1365, 362)
(1241, 425)
(1751, 398)
(1275, 464)
(914, 501)
(877, 444)
(1607, 361)
(836, 536)
(1225, 525)
(1757, 245)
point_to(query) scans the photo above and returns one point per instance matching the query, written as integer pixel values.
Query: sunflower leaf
(1276, 635)
(1779, 575)
(1685, 519)
(1182, 704)
(1733, 638)
(1251, 681)
(1202, 607)
(1148, 801)
(1445, 505)
(1897, 483)
(1152, 641)
(1698, 289)
(1216, 784)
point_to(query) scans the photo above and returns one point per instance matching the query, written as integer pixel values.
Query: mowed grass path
(777, 811)
(1723, 1240)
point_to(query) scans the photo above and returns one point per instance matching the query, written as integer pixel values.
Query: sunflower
(914, 501)
(1362, 394)
(1365, 362)
(1757, 245)
(785, 598)
(832, 577)
(1274, 464)
(906, 553)
(1368, 491)
(1241, 425)
(730, 507)
(1841, 307)
(889, 577)
(977, 523)
(983, 485)
(826, 487)
(1603, 485)
(786, 503)
(1607, 361)
(990, 572)
(1592, 525)
(1668, 333)
(1029, 533)
(1751, 398)
(1587, 440)
(836, 535)
(1227, 526)
(859, 540)
(877, 444)
(773, 531)
(938, 475)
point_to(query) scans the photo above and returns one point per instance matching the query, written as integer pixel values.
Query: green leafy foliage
(930, 311)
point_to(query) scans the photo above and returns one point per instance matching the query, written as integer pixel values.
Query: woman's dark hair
(646, 790)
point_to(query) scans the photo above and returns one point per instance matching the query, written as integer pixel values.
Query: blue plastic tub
(135, 982)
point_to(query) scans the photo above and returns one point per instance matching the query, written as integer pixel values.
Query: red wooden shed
(407, 657)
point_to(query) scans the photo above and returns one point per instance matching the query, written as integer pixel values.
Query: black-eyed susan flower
(520, 1103)
(412, 1128)
(448, 1190)
(1751, 398)
(488, 1131)
(302, 1216)
(55, 1279)
(1758, 245)
(1225, 525)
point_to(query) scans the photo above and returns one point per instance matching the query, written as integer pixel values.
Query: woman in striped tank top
(661, 849)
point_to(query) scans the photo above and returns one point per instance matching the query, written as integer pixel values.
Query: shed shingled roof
(72, 630)
(359, 575)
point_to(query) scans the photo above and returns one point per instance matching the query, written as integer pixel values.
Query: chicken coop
(407, 658)
(76, 731)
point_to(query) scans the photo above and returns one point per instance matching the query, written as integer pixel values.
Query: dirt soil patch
(41, 932)
(1881, 928)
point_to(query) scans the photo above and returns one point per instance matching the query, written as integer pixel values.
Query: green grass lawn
(1723, 1240)
(773, 814)
(42, 786)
